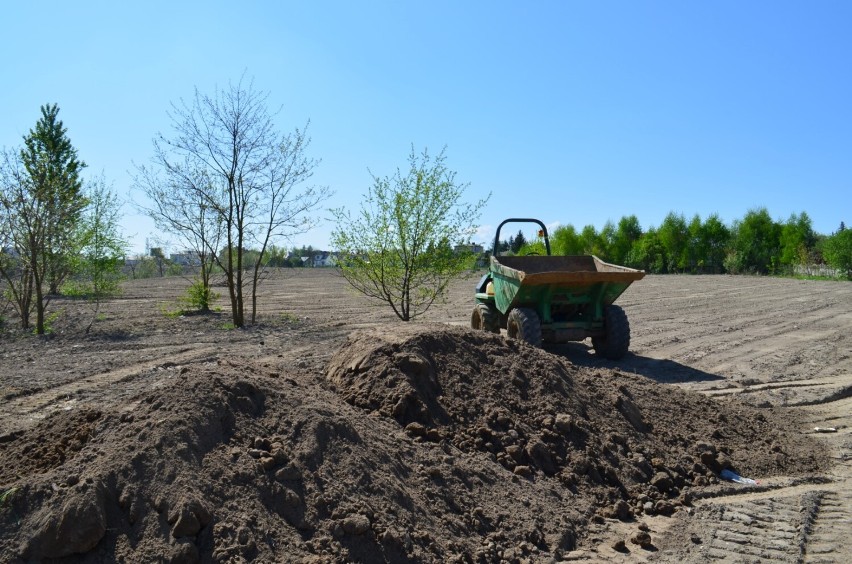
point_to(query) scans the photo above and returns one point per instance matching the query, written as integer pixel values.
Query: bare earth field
(331, 432)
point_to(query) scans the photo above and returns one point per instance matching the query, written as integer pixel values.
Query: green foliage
(648, 253)
(102, 247)
(53, 168)
(173, 269)
(41, 205)
(517, 242)
(533, 248)
(673, 235)
(143, 267)
(400, 248)
(593, 243)
(757, 242)
(199, 297)
(276, 256)
(49, 320)
(628, 232)
(711, 241)
(171, 313)
(289, 317)
(6, 497)
(797, 236)
(837, 251)
(565, 241)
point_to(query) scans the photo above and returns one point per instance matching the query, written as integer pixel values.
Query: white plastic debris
(734, 477)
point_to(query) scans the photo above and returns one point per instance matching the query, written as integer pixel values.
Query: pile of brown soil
(424, 443)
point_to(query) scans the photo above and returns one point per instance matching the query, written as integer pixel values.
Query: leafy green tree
(103, 247)
(757, 242)
(566, 241)
(797, 239)
(695, 251)
(276, 256)
(53, 167)
(714, 239)
(673, 234)
(648, 253)
(142, 266)
(628, 232)
(837, 250)
(517, 242)
(42, 202)
(593, 243)
(606, 240)
(399, 249)
(707, 244)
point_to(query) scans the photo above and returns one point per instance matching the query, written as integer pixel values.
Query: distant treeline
(755, 244)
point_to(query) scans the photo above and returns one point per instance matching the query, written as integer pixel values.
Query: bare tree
(179, 207)
(227, 159)
(16, 210)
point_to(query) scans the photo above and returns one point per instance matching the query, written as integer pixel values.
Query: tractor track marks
(802, 523)
(767, 342)
(792, 393)
(37, 404)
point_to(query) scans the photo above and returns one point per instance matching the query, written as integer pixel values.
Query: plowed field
(330, 431)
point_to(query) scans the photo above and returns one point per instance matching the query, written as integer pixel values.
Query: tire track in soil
(772, 342)
(781, 341)
(780, 520)
(35, 406)
(791, 393)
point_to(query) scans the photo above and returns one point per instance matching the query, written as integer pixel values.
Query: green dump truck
(554, 299)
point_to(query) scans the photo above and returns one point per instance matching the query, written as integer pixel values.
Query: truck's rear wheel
(616, 340)
(485, 318)
(523, 324)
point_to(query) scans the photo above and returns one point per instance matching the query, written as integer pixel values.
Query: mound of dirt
(423, 443)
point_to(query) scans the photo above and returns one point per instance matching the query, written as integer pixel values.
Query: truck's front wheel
(616, 340)
(523, 324)
(484, 318)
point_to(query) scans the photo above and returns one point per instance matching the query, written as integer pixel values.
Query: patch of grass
(289, 317)
(6, 497)
(73, 289)
(228, 326)
(49, 319)
(170, 313)
(196, 300)
(812, 277)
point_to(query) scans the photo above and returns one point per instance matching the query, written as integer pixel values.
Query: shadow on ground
(663, 371)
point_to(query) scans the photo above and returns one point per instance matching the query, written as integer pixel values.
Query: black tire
(485, 318)
(614, 344)
(523, 324)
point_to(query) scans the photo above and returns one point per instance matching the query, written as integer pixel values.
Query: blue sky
(571, 112)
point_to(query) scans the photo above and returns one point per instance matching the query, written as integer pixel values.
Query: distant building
(185, 258)
(325, 258)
